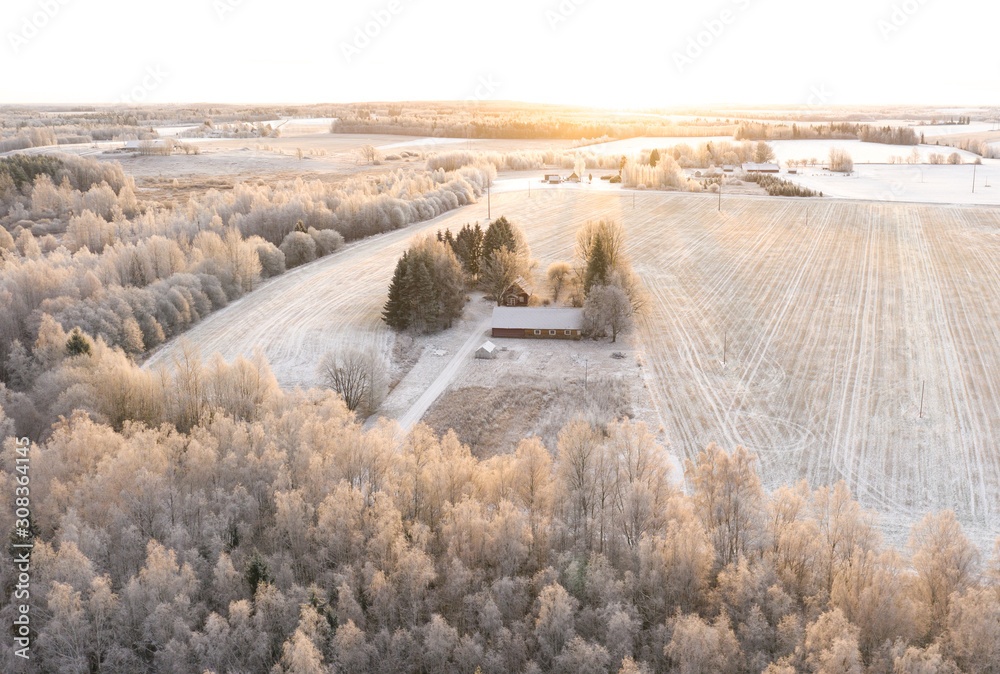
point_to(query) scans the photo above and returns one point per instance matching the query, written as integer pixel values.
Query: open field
(835, 313)
(924, 183)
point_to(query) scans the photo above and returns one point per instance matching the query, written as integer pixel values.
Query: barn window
(538, 332)
(552, 333)
(511, 301)
(568, 333)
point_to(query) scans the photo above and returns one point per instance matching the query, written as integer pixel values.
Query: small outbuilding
(487, 351)
(537, 323)
(553, 178)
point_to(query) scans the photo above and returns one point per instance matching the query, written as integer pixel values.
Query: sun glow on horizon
(570, 52)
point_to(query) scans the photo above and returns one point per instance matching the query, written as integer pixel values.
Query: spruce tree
(256, 572)
(654, 157)
(499, 235)
(468, 247)
(420, 295)
(395, 313)
(598, 265)
(78, 344)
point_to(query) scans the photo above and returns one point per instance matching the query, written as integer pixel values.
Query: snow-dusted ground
(476, 332)
(424, 142)
(170, 131)
(301, 121)
(835, 311)
(927, 183)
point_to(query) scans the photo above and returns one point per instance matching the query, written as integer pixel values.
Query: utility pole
(489, 203)
(921, 400)
(973, 178)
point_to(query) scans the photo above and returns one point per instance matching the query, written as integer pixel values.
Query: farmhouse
(752, 167)
(537, 323)
(517, 295)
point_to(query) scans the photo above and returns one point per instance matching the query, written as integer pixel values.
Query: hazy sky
(596, 52)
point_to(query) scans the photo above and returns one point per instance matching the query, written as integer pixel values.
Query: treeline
(209, 128)
(523, 160)
(980, 147)
(890, 135)
(843, 130)
(526, 125)
(20, 170)
(200, 519)
(80, 248)
(703, 155)
(665, 174)
(28, 137)
(779, 187)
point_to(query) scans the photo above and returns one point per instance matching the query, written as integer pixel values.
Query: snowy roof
(752, 166)
(537, 318)
(523, 283)
(488, 347)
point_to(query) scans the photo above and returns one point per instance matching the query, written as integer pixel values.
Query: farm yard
(806, 331)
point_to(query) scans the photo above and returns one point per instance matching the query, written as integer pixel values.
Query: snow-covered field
(423, 142)
(937, 183)
(836, 314)
(937, 130)
(860, 152)
(635, 145)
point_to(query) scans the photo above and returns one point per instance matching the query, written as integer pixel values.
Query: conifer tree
(395, 312)
(499, 235)
(597, 266)
(78, 344)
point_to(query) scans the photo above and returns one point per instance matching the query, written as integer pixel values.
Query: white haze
(573, 51)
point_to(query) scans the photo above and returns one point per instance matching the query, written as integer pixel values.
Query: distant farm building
(574, 178)
(553, 178)
(728, 168)
(517, 295)
(487, 351)
(752, 167)
(537, 323)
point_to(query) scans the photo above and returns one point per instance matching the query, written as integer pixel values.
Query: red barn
(537, 323)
